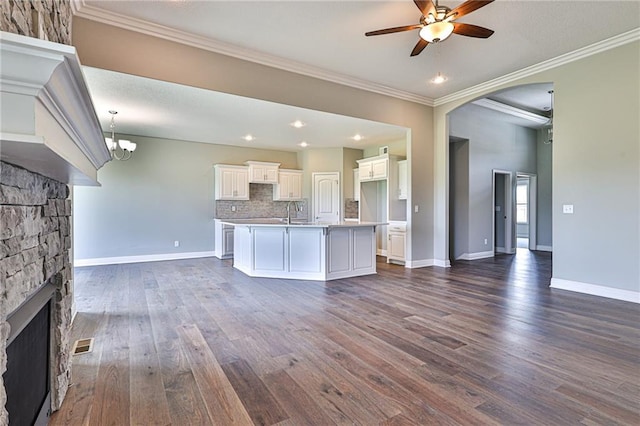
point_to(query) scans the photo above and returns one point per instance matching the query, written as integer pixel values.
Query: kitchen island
(305, 250)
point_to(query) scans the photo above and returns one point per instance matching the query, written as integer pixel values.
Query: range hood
(48, 124)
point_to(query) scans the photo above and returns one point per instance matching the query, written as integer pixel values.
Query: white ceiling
(327, 38)
(159, 109)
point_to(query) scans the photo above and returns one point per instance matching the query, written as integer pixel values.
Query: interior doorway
(503, 229)
(326, 197)
(526, 210)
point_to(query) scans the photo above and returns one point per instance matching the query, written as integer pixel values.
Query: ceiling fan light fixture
(436, 32)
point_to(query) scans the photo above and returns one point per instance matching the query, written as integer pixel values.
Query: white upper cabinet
(231, 182)
(374, 168)
(261, 172)
(289, 185)
(402, 180)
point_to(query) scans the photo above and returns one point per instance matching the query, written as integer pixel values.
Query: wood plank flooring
(195, 342)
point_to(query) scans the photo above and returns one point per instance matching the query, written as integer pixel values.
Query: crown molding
(599, 47)
(511, 110)
(82, 10)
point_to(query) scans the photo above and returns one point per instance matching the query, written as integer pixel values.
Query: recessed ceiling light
(439, 79)
(298, 124)
(303, 144)
(248, 138)
(357, 137)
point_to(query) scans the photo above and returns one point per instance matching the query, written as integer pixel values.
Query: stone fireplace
(50, 140)
(34, 250)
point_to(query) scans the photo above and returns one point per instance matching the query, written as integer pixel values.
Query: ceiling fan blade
(394, 30)
(425, 6)
(467, 7)
(470, 30)
(419, 47)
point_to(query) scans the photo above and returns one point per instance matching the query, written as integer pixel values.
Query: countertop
(277, 222)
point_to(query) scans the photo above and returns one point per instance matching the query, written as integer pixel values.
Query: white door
(326, 197)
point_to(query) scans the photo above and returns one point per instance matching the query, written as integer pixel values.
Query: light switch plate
(567, 208)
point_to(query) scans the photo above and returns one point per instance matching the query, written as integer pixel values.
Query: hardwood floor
(194, 342)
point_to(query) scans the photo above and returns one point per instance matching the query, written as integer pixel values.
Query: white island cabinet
(310, 251)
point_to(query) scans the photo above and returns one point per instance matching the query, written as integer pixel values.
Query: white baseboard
(596, 290)
(476, 256)
(544, 248)
(143, 258)
(501, 250)
(427, 262)
(381, 252)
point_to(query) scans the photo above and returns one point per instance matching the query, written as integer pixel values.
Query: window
(522, 202)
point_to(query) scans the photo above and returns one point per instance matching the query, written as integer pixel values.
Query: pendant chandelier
(122, 149)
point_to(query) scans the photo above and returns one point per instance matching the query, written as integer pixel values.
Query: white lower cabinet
(305, 252)
(271, 244)
(223, 240)
(352, 252)
(396, 242)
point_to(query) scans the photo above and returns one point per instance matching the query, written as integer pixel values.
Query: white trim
(544, 248)
(501, 250)
(381, 252)
(601, 46)
(142, 258)
(419, 263)
(477, 255)
(511, 110)
(133, 24)
(442, 263)
(69, 146)
(596, 290)
(422, 263)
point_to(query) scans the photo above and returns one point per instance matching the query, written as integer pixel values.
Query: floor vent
(82, 346)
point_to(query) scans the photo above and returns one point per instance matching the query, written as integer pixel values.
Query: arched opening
(499, 159)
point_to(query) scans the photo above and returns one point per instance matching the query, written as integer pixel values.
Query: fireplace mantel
(48, 124)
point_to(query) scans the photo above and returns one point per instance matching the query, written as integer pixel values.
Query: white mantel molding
(48, 123)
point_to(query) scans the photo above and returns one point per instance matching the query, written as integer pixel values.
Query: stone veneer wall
(35, 240)
(259, 205)
(44, 19)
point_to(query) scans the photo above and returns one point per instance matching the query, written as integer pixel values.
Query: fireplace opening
(27, 378)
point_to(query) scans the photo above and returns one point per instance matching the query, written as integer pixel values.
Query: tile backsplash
(259, 205)
(350, 208)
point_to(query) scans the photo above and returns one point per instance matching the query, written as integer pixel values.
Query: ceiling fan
(438, 22)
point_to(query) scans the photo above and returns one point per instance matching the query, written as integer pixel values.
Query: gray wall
(493, 144)
(596, 165)
(459, 197)
(545, 211)
(162, 194)
(117, 49)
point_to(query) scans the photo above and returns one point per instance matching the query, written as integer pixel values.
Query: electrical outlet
(416, 209)
(233, 208)
(176, 243)
(485, 242)
(567, 208)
